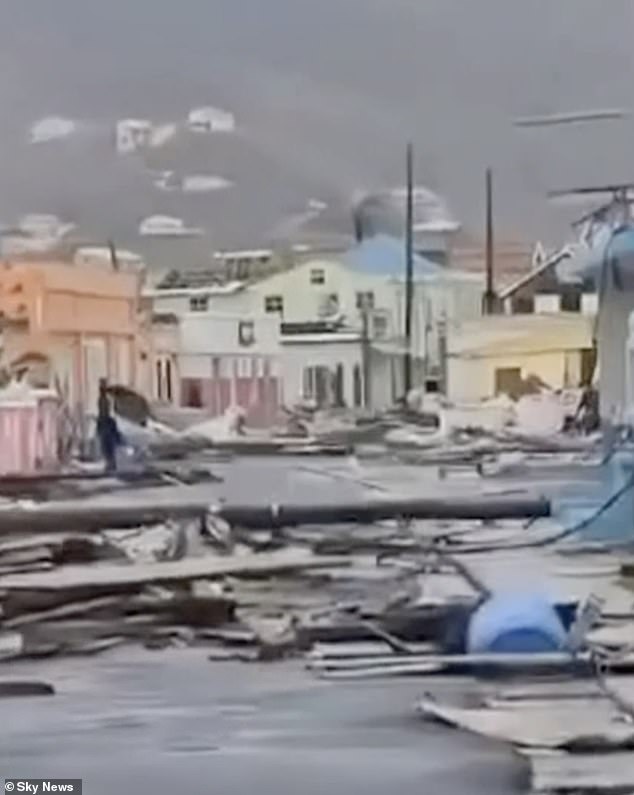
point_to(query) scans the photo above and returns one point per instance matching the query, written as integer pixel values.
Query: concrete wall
(472, 380)
(547, 346)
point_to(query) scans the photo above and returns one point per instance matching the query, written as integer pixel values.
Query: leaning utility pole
(409, 269)
(489, 295)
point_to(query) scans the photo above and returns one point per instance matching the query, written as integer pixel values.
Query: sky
(326, 95)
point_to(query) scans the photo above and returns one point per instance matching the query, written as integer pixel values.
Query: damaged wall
(84, 321)
(485, 357)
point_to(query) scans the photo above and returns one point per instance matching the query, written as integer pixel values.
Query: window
(571, 300)
(274, 303)
(198, 303)
(329, 305)
(317, 276)
(379, 326)
(192, 393)
(357, 386)
(244, 367)
(246, 333)
(159, 379)
(523, 305)
(308, 383)
(168, 380)
(365, 300)
(508, 381)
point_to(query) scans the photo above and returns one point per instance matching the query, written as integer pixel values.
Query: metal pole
(66, 517)
(489, 296)
(409, 269)
(366, 354)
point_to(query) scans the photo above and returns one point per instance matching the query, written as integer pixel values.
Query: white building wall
(297, 356)
(303, 299)
(473, 380)
(589, 303)
(547, 303)
(179, 302)
(219, 334)
(453, 296)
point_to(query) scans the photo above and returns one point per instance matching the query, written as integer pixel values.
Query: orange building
(72, 325)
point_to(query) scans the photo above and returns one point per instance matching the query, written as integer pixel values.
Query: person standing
(107, 430)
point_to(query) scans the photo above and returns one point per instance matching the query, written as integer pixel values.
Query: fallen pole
(86, 517)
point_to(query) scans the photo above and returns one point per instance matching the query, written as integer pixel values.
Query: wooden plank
(465, 662)
(593, 725)
(120, 577)
(62, 611)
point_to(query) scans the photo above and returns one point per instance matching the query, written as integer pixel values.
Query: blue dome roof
(385, 256)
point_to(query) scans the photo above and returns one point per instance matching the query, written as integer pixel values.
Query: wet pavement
(164, 721)
(168, 721)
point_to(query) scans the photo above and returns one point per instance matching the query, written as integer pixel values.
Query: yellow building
(500, 353)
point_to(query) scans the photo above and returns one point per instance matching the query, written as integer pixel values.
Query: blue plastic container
(512, 623)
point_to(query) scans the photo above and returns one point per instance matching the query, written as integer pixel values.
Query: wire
(563, 534)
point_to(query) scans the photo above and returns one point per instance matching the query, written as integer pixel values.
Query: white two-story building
(329, 330)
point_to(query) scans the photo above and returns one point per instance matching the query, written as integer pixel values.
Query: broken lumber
(573, 725)
(412, 665)
(119, 577)
(86, 517)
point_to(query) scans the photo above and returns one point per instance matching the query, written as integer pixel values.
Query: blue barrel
(512, 623)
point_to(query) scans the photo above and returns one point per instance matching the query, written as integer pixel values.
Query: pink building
(72, 326)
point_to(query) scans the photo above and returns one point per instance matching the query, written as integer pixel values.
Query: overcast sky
(326, 94)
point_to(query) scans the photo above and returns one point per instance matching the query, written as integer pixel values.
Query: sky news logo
(38, 786)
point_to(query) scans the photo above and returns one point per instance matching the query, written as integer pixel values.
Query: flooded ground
(161, 722)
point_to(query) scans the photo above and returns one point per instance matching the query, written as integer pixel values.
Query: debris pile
(280, 577)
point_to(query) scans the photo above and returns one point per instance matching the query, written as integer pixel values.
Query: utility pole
(489, 295)
(366, 369)
(409, 269)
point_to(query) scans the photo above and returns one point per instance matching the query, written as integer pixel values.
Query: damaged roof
(196, 279)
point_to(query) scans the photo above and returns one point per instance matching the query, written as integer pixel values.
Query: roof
(506, 335)
(548, 264)
(385, 256)
(329, 337)
(208, 278)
